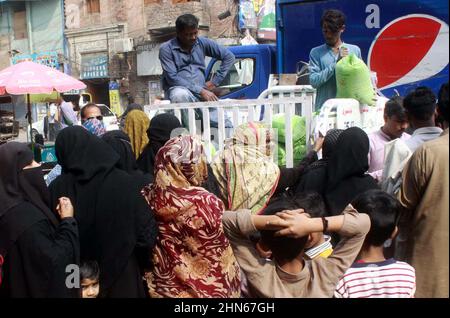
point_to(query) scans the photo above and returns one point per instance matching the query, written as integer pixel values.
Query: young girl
(89, 276)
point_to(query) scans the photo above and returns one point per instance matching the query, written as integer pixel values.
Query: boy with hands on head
(286, 234)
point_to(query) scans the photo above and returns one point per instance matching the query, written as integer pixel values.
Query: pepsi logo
(409, 49)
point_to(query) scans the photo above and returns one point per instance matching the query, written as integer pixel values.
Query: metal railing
(241, 111)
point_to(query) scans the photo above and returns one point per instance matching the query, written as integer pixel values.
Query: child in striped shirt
(372, 275)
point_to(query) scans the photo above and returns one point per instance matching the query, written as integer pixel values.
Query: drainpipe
(10, 31)
(29, 28)
(67, 68)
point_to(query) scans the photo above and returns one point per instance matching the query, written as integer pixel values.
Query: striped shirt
(387, 279)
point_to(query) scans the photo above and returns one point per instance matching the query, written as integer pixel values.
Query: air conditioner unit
(123, 45)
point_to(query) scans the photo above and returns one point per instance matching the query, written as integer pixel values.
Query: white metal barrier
(343, 113)
(289, 91)
(243, 111)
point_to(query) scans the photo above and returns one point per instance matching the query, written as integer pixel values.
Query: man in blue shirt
(183, 64)
(323, 59)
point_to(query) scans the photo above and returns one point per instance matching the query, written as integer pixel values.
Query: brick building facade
(127, 34)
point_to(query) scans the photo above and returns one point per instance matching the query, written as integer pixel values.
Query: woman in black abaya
(347, 170)
(114, 219)
(35, 245)
(159, 132)
(314, 177)
(121, 144)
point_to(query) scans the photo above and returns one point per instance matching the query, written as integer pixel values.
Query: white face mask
(313, 252)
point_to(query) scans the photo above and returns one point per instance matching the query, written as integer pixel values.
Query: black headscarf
(330, 142)
(328, 147)
(18, 186)
(13, 158)
(106, 201)
(161, 126)
(121, 144)
(346, 170)
(315, 176)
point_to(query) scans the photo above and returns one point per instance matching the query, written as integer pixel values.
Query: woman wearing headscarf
(36, 246)
(347, 170)
(192, 257)
(244, 171)
(121, 144)
(314, 178)
(95, 127)
(114, 220)
(136, 125)
(130, 107)
(159, 132)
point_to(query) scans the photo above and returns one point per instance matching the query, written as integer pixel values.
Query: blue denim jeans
(179, 94)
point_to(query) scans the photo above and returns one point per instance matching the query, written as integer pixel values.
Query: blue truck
(405, 42)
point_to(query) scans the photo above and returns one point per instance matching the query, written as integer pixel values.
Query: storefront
(94, 73)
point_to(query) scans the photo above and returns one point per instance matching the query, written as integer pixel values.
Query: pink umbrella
(32, 78)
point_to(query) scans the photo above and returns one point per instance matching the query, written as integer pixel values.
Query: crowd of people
(142, 213)
(156, 219)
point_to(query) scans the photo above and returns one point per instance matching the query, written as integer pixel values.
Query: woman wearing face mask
(36, 245)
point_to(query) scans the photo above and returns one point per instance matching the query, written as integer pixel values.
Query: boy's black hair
(284, 248)
(85, 107)
(443, 104)
(89, 270)
(420, 103)
(312, 203)
(186, 21)
(383, 210)
(333, 19)
(394, 107)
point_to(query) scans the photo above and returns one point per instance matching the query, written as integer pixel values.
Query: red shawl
(192, 257)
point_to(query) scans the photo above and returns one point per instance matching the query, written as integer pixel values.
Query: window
(20, 25)
(93, 6)
(241, 74)
(105, 111)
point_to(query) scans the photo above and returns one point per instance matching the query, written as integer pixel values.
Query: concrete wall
(165, 13)
(45, 20)
(46, 23)
(7, 32)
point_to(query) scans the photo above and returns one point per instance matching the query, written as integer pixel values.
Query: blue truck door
(405, 43)
(249, 76)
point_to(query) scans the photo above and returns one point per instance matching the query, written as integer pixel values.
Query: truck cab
(249, 75)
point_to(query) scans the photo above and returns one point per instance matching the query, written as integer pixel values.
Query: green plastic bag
(299, 153)
(298, 136)
(353, 80)
(298, 128)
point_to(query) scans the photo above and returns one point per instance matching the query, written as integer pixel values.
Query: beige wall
(165, 13)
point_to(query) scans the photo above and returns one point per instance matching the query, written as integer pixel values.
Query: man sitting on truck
(183, 64)
(323, 58)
